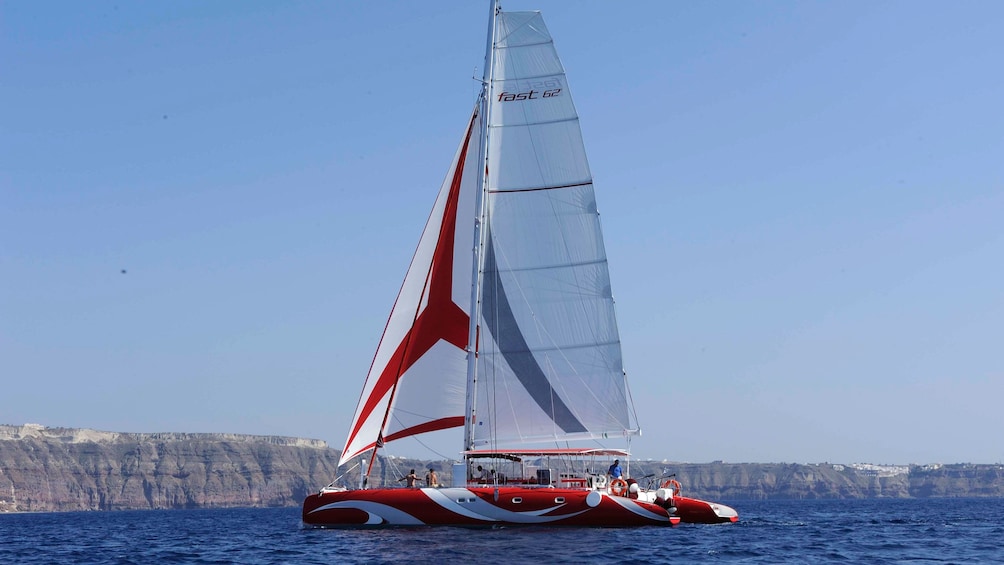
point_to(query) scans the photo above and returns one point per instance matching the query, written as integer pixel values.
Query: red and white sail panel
(417, 381)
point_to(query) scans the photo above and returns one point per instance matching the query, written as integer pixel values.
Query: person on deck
(615, 470)
(411, 477)
(482, 475)
(431, 480)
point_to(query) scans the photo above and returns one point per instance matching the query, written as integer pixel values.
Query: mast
(479, 223)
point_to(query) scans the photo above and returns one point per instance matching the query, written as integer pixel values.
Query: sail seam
(529, 77)
(549, 41)
(560, 348)
(538, 188)
(557, 266)
(529, 124)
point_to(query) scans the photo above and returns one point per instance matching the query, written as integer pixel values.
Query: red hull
(694, 511)
(480, 506)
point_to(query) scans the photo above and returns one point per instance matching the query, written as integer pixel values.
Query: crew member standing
(615, 470)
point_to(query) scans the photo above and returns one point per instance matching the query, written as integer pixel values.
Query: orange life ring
(675, 484)
(618, 487)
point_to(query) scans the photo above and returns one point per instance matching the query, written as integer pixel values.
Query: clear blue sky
(803, 204)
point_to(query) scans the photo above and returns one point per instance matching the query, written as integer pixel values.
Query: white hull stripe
(378, 513)
(632, 506)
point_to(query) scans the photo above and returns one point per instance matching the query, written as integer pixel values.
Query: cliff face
(950, 480)
(49, 469)
(760, 481)
(738, 481)
(59, 469)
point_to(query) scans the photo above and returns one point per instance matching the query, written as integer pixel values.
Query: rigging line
(507, 391)
(481, 205)
(634, 413)
(505, 383)
(441, 456)
(480, 87)
(347, 471)
(392, 462)
(481, 231)
(493, 411)
(416, 437)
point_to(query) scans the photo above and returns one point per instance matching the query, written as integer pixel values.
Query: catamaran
(504, 326)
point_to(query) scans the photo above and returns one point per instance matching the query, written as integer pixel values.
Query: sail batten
(536, 188)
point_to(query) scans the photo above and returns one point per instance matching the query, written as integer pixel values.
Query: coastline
(73, 469)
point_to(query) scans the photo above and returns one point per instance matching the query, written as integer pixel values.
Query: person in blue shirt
(615, 470)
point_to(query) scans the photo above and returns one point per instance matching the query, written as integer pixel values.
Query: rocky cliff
(47, 469)
(761, 481)
(61, 469)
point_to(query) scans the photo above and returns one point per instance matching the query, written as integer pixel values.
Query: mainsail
(538, 301)
(549, 365)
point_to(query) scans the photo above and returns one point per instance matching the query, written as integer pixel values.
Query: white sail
(417, 380)
(549, 364)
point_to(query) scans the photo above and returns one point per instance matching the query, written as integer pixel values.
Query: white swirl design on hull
(481, 510)
(475, 508)
(376, 513)
(632, 506)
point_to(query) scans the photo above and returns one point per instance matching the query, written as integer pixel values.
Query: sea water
(806, 531)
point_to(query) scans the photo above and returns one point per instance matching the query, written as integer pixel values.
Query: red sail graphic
(435, 319)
